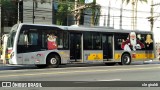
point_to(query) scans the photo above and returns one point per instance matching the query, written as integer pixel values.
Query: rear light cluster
(8, 53)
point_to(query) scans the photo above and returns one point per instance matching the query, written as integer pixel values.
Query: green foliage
(130, 1)
(81, 1)
(61, 14)
(9, 12)
(64, 9)
(8, 5)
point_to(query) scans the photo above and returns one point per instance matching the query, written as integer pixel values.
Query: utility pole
(2, 24)
(151, 18)
(78, 8)
(108, 20)
(93, 13)
(53, 16)
(18, 12)
(19, 21)
(76, 13)
(53, 12)
(133, 15)
(121, 12)
(0, 29)
(0, 18)
(136, 6)
(33, 17)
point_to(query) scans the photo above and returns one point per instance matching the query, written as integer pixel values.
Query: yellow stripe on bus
(137, 56)
(144, 56)
(95, 56)
(117, 56)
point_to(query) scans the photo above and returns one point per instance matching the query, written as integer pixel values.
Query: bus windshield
(12, 35)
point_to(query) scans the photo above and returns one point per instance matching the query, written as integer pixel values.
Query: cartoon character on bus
(132, 43)
(149, 42)
(51, 42)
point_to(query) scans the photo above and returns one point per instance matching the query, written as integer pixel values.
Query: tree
(65, 8)
(79, 9)
(61, 14)
(9, 12)
(134, 9)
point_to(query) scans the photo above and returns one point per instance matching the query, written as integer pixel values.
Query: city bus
(53, 45)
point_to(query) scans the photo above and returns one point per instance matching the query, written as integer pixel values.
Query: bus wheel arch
(53, 60)
(125, 59)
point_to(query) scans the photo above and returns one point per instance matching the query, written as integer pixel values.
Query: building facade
(8, 15)
(24, 11)
(37, 12)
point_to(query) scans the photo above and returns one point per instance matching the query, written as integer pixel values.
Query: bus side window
(23, 39)
(44, 40)
(65, 40)
(33, 39)
(119, 39)
(59, 39)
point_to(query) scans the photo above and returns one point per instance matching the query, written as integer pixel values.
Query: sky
(142, 14)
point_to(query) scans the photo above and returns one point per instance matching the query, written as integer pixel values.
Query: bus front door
(107, 40)
(75, 47)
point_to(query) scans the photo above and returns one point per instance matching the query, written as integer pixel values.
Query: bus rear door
(75, 47)
(107, 40)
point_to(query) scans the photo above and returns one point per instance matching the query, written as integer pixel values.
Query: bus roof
(104, 29)
(61, 27)
(93, 28)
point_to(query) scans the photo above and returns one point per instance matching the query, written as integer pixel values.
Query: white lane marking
(111, 80)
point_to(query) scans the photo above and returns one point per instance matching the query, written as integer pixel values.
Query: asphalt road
(85, 75)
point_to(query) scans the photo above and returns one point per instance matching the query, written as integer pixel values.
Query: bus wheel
(126, 59)
(110, 64)
(53, 61)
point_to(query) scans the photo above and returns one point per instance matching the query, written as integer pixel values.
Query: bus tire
(126, 59)
(110, 64)
(53, 61)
